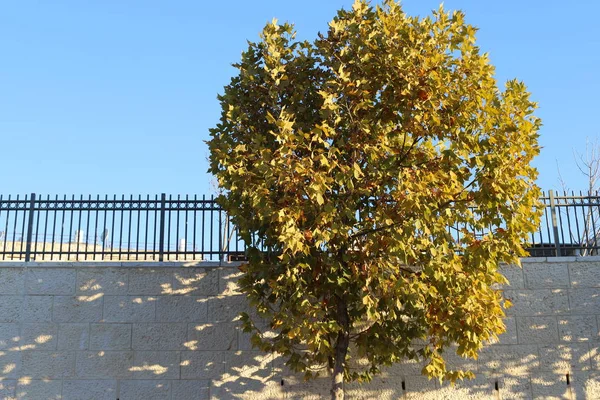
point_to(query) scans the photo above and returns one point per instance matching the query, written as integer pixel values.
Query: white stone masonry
(128, 331)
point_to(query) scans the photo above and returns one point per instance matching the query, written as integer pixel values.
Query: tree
(378, 177)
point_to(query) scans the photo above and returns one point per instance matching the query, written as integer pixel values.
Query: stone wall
(106, 331)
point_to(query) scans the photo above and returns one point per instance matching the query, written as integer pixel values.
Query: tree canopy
(378, 176)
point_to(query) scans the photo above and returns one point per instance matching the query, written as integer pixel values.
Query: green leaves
(380, 167)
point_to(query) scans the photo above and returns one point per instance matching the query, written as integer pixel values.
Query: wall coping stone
(124, 264)
(216, 264)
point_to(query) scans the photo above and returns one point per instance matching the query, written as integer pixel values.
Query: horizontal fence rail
(167, 228)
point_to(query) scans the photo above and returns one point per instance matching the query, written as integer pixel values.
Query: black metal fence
(570, 225)
(159, 228)
(163, 228)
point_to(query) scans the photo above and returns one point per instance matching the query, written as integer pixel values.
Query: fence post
(554, 223)
(161, 241)
(30, 228)
(221, 250)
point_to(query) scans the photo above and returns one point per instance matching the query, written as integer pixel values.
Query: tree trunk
(341, 349)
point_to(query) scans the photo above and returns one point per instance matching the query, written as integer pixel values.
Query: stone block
(11, 308)
(159, 336)
(104, 364)
(73, 336)
(8, 389)
(406, 367)
(89, 390)
(546, 275)
(516, 360)
(595, 356)
(247, 389)
(42, 336)
(10, 364)
(419, 387)
(537, 330)
(577, 328)
(562, 259)
(587, 384)
(247, 364)
(514, 274)
(181, 309)
(106, 281)
(156, 365)
(212, 336)
(145, 390)
(515, 387)
(110, 336)
(546, 385)
(584, 300)
(292, 389)
(34, 389)
(510, 336)
(36, 308)
(48, 364)
(77, 308)
(587, 258)
(244, 340)
(9, 336)
(534, 259)
(196, 281)
(561, 358)
(584, 274)
(226, 308)
(26, 309)
(202, 364)
(537, 302)
(381, 388)
(190, 390)
(456, 362)
(150, 281)
(129, 309)
(52, 281)
(228, 281)
(482, 387)
(12, 281)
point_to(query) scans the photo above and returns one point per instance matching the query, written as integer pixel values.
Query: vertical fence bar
(220, 236)
(37, 230)
(161, 241)
(30, 228)
(78, 235)
(87, 228)
(15, 228)
(195, 214)
(202, 228)
(112, 228)
(23, 238)
(122, 214)
(212, 197)
(5, 236)
(70, 227)
(554, 223)
(154, 235)
(169, 227)
(45, 228)
(177, 212)
(128, 251)
(137, 232)
(146, 234)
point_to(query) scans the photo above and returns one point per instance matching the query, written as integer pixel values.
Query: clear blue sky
(117, 96)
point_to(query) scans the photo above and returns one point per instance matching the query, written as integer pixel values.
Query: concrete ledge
(117, 264)
(216, 264)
